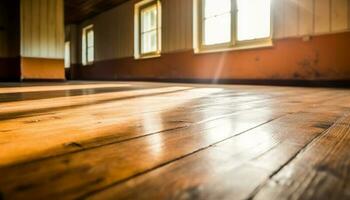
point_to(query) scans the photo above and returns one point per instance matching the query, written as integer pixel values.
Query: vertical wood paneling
(42, 28)
(59, 29)
(165, 30)
(322, 16)
(114, 34)
(176, 20)
(306, 8)
(51, 29)
(291, 18)
(35, 20)
(26, 30)
(339, 15)
(113, 38)
(188, 27)
(278, 17)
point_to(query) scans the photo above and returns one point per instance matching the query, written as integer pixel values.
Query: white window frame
(137, 27)
(67, 55)
(234, 44)
(85, 59)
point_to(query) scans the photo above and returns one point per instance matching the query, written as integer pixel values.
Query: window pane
(90, 38)
(67, 55)
(253, 19)
(149, 18)
(149, 42)
(217, 30)
(90, 56)
(216, 7)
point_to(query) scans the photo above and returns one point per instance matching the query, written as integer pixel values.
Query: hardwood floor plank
(9, 90)
(321, 171)
(98, 125)
(19, 109)
(232, 169)
(112, 163)
(164, 140)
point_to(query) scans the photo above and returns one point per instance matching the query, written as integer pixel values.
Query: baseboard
(42, 69)
(43, 80)
(296, 83)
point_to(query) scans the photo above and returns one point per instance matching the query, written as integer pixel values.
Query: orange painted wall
(324, 57)
(42, 68)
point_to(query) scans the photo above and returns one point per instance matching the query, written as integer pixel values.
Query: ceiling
(78, 10)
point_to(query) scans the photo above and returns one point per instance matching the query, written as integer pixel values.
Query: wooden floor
(125, 140)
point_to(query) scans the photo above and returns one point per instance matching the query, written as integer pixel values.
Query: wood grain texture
(321, 171)
(42, 28)
(339, 15)
(172, 141)
(322, 16)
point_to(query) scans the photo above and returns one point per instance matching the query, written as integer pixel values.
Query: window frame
(234, 44)
(67, 60)
(139, 7)
(85, 46)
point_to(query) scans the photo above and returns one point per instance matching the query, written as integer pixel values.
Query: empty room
(175, 99)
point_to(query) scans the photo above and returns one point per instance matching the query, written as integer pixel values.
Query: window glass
(149, 29)
(90, 46)
(217, 22)
(67, 55)
(253, 19)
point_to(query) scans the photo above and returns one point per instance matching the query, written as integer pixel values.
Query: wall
(3, 33)
(42, 39)
(9, 40)
(323, 57)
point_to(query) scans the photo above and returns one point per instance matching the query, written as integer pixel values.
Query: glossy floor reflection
(126, 140)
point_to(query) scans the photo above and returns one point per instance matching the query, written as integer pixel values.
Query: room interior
(175, 99)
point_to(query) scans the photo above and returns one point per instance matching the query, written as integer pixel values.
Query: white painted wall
(292, 18)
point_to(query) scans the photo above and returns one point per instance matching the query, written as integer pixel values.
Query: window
(253, 19)
(230, 24)
(67, 55)
(217, 22)
(88, 45)
(148, 25)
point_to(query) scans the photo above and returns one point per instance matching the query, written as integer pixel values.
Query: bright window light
(217, 22)
(149, 29)
(67, 54)
(253, 19)
(88, 45)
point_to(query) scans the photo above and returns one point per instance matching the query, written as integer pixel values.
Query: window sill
(239, 47)
(88, 64)
(147, 57)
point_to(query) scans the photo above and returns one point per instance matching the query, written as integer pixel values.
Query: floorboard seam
(174, 160)
(18, 115)
(300, 151)
(133, 138)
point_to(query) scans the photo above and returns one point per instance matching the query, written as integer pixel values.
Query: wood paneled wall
(310, 17)
(42, 28)
(177, 25)
(292, 18)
